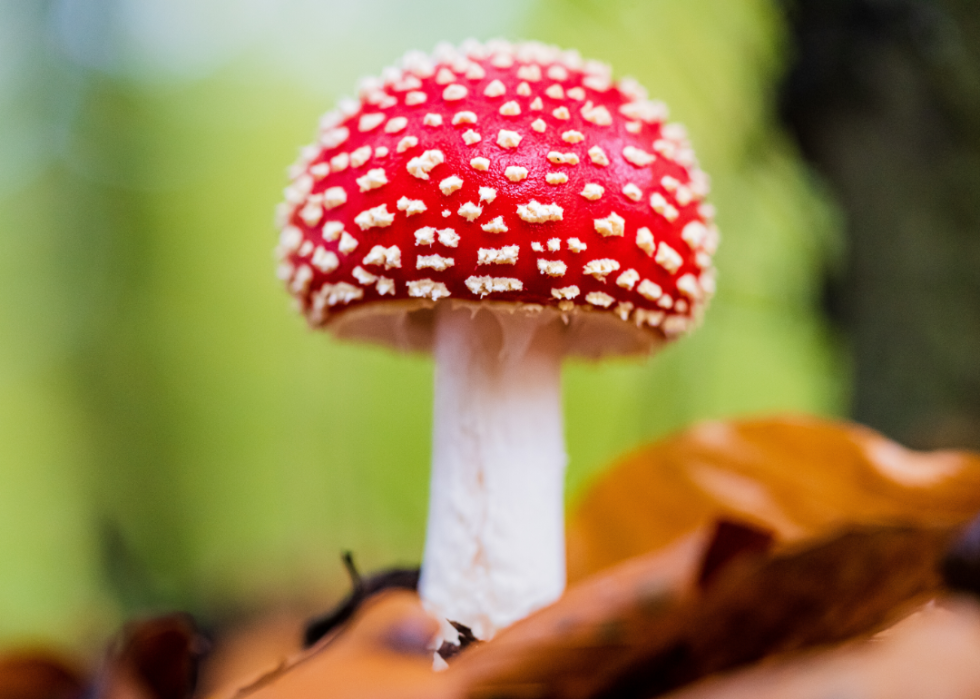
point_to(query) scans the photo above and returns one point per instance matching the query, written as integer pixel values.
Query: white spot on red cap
(556, 178)
(336, 294)
(554, 244)
(566, 292)
(448, 237)
(535, 212)
(432, 119)
(539, 125)
(495, 226)
(380, 255)
(668, 258)
(445, 76)
(601, 268)
(320, 170)
(487, 194)
(593, 192)
(427, 289)
(325, 260)
(502, 60)
(557, 72)
(306, 248)
(511, 108)
(561, 113)
(515, 173)
(552, 268)
(529, 72)
(377, 217)
(508, 139)
(536, 104)
(628, 279)
(556, 158)
(348, 243)
(495, 89)
(649, 290)
(470, 211)
(631, 191)
(454, 92)
(465, 117)
(598, 156)
(633, 127)
(380, 152)
(599, 116)
(360, 156)
(577, 93)
(576, 245)
(450, 185)
(425, 236)
(415, 98)
(611, 225)
(645, 317)
(471, 137)
(406, 143)
(332, 230)
(372, 180)
(599, 298)
(369, 122)
(644, 110)
(506, 255)
(363, 277)
(422, 165)
(555, 92)
(694, 234)
(407, 82)
(334, 137)
(662, 207)
(688, 284)
(436, 262)
(311, 213)
(481, 286)
(411, 207)
(385, 286)
(637, 156)
(524, 90)
(482, 164)
(623, 310)
(572, 137)
(334, 197)
(475, 72)
(301, 280)
(644, 241)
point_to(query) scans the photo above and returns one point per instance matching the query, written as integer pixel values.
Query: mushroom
(502, 206)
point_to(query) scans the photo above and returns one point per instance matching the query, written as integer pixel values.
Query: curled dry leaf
(384, 652)
(797, 476)
(154, 658)
(933, 653)
(637, 630)
(40, 674)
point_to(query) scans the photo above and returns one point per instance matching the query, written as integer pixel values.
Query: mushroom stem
(495, 546)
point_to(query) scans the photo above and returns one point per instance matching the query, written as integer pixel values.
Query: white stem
(495, 546)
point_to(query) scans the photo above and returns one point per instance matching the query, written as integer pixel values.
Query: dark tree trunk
(884, 99)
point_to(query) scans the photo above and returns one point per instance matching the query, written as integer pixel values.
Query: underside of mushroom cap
(515, 175)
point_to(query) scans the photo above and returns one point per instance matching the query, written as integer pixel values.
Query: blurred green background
(171, 433)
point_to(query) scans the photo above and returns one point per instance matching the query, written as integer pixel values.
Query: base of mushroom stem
(495, 544)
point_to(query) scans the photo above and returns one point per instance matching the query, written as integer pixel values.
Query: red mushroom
(502, 205)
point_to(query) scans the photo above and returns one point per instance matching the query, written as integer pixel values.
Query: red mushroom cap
(515, 174)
